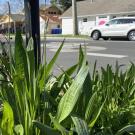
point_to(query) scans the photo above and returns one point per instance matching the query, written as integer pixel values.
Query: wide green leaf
(129, 129)
(69, 100)
(7, 121)
(20, 57)
(58, 126)
(91, 107)
(52, 62)
(80, 125)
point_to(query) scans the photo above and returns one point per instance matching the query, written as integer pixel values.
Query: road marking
(107, 55)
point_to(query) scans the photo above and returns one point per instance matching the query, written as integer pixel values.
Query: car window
(132, 20)
(125, 21)
(112, 22)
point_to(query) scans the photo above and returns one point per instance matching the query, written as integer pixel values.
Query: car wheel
(131, 35)
(105, 38)
(96, 35)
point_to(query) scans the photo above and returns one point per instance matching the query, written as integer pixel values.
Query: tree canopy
(64, 3)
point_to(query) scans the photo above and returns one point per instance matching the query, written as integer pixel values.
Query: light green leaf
(19, 130)
(52, 62)
(90, 107)
(93, 121)
(80, 125)
(69, 100)
(7, 121)
(58, 126)
(129, 128)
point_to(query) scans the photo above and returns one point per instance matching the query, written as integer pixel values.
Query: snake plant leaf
(46, 70)
(58, 126)
(80, 125)
(30, 59)
(45, 129)
(90, 107)
(20, 55)
(49, 67)
(129, 129)
(21, 67)
(70, 98)
(98, 112)
(7, 121)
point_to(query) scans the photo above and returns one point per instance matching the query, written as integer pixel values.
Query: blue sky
(16, 5)
(3, 1)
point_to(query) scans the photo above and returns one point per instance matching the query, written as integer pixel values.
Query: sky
(16, 5)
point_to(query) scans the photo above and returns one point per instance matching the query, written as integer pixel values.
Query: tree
(66, 3)
(53, 2)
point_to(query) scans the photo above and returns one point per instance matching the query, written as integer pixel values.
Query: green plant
(34, 101)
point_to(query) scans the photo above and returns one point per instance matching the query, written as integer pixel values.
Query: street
(104, 52)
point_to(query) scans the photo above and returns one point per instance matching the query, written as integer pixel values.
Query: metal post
(35, 25)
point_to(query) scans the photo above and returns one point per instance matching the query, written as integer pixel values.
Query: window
(126, 21)
(58, 26)
(113, 22)
(102, 17)
(85, 20)
(114, 17)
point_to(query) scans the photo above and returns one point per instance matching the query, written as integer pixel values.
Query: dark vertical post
(34, 27)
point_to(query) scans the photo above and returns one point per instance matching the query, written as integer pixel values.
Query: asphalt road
(104, 52)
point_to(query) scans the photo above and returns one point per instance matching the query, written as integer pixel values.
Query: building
(49, 23)
(49, 18)
(50, 10)
(16, 22)
(96, 12)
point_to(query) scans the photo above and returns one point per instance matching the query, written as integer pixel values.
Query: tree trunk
(74, 17)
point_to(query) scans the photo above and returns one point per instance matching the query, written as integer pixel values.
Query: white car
(118, 27)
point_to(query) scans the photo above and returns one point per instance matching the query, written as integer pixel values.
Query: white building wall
(67, 26)
(42, 25)
(84, 27)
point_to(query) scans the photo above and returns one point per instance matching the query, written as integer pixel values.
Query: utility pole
(9, 23)
(74, 17)
(33, 27)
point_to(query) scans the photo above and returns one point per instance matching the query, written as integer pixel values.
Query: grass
(60, 35)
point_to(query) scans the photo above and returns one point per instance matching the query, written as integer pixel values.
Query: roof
(14, 18)
(100, 7)
(45, 7)
(54, 19)
(18, 17)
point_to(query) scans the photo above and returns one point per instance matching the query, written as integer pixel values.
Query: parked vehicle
(118, 27)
